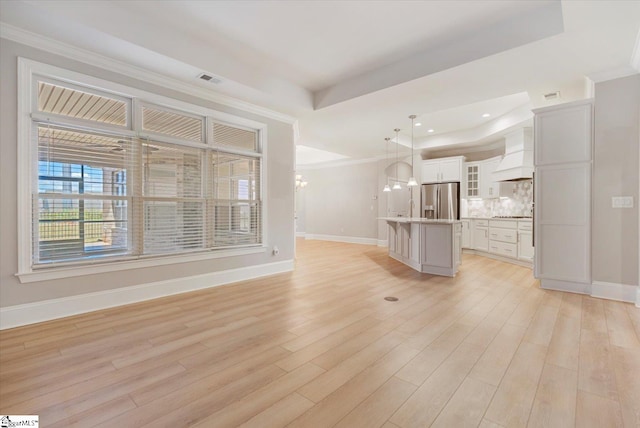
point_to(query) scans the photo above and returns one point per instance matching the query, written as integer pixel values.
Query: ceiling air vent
(552, 96)
(209, 78)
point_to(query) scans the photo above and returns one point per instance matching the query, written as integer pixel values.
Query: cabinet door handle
(508, 250)
(508, 236)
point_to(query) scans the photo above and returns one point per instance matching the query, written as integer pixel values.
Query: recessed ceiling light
(429, 130)
(486, 115)
(418, 124)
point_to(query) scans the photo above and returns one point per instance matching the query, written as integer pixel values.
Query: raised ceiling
(350, 72)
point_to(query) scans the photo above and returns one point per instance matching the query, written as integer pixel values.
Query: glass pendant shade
(397, 186)
(412, 182)
(386, 188)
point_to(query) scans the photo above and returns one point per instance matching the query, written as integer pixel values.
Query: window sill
(46, 274)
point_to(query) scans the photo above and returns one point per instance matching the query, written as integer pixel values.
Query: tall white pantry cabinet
(562, 194)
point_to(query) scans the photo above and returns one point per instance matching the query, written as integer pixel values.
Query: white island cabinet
(428, 246)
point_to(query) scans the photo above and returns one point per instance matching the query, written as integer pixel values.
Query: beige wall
(615, 173)
(342, 201)
(280, 192)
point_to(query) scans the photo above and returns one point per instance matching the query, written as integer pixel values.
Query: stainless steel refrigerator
(441, 201)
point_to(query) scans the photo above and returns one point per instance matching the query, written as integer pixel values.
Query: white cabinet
(428, 247)
(488, 187)
(479, 181)
(472, 182)
(503, 238)
(563, 147)
(525, 241)
(563, 133)
(400, 240)
(480, 235)
(442, 170)
(437, 245)
(466, 233)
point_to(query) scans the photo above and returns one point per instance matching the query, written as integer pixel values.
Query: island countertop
(418, 220)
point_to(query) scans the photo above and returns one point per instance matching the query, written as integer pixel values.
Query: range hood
(517, 163)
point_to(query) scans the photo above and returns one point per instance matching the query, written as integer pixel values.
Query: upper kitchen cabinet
(488, 187)
(563, 133)
(442, 170)
(480, 181)
(473, 179)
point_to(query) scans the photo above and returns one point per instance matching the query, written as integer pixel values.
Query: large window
(120, 176)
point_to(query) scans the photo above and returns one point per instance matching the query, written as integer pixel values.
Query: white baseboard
(614, 291)
(300, 234)
(569, 286)
(347, 239)
(383, 242)
(29, 313)
(638, 297)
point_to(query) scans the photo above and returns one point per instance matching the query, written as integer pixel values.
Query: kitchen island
(428, 246)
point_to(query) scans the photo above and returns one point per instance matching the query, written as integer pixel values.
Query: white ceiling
(350, 72)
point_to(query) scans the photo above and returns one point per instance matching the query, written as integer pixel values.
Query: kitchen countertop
(498, 218)
(417, 220)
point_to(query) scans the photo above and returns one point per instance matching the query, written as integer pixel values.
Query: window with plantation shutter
(236, 184)
(80, 103)
(81, 203)
(234, 137)
(110, 188)
(172, 123)
(173, 198)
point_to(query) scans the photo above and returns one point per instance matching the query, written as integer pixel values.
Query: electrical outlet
(622, 202)
(276, 250)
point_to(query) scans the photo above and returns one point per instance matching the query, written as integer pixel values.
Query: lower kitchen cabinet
(466, 233)
(507, 239)
(481, 235)
(503, 238)
(525, 241)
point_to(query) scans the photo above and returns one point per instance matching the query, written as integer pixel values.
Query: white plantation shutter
(235, 137)
(68, 101)
(173, 124)
(236, 185)
(103, 193)
(82, 200)
(173, 198)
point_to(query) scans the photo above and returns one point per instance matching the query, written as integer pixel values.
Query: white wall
(280, 194)
(615, 173)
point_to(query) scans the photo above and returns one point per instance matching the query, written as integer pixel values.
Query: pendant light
(412, 180)
(397, 185)
(386, 186)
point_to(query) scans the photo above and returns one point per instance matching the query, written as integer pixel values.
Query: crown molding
(38, 41)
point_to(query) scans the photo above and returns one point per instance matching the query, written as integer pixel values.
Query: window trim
(28, 70)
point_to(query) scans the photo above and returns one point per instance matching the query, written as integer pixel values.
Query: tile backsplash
(517, 205)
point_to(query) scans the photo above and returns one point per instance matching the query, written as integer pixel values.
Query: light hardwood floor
(320, 347)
